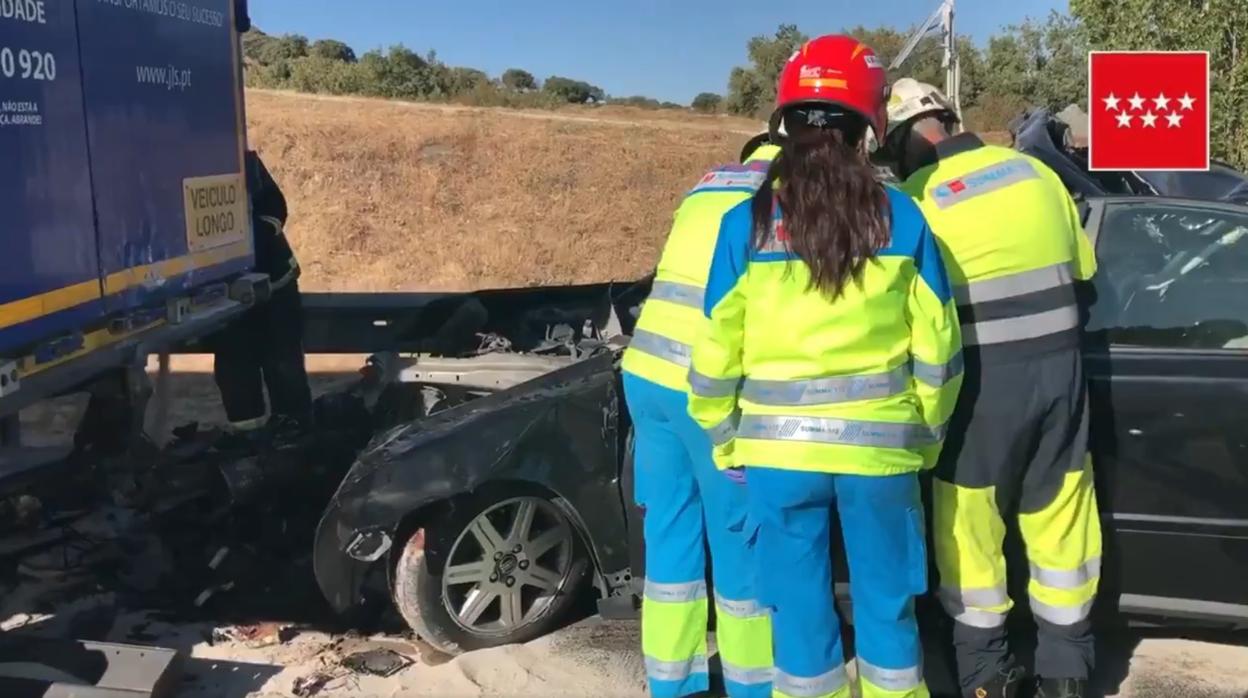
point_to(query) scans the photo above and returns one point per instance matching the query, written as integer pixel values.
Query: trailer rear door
(165, 121)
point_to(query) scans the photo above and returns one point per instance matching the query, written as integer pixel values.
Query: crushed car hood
(1044, 136)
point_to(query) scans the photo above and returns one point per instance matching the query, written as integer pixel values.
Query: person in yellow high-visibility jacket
(687, 502)
(828, 368)
(1018, 442)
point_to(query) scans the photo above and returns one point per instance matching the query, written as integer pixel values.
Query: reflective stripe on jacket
(783, 377)
(1012, 241)
(671, 316)
(273, 254)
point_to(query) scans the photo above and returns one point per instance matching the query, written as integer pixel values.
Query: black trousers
(264, 349)
(1017, 450)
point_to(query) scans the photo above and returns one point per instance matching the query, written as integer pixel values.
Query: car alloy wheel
(508, 566)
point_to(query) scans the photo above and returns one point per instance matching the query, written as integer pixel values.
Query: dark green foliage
(519, 80)
(1032, 64)
(573, 91)
(708, 102)
(1217, 26)
(333, 50)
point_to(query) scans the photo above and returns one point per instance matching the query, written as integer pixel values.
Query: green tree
(707, 102)
(1007, 66)
(1057, 52)
(464, 80)
(926, 62)
(573, 91)
(752, 90)
(326, 75)
(1217, 26)
(333, 50)
(283, 48)
(519, 80)
(254, 42)
(923, 64)
(746, 95)
(639, 101)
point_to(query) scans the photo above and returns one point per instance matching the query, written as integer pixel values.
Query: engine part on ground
(70, 558)
(377, 662)
(89, 541)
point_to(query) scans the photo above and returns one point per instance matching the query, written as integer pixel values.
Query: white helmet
(911, 99)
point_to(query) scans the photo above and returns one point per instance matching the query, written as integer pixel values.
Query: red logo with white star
(1149, 110)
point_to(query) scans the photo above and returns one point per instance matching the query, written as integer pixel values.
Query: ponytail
(836, 214)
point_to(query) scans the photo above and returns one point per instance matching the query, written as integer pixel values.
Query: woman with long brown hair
(828, 368)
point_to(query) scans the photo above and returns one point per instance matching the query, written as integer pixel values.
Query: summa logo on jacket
(1013, 244)
(983, 181)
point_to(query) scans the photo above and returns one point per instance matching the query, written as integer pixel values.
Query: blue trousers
(882, 522)
(688, 502)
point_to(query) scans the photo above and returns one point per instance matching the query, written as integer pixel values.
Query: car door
(1167, 360)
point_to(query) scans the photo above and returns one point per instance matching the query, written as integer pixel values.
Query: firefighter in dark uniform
(264, 348)
(1016, 449)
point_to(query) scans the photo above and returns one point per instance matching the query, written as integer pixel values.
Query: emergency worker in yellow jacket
(687, 501)
(826, 373)
(1017, 445)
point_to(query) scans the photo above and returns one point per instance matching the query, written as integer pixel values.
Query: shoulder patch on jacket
(745, 178)
(985, 180)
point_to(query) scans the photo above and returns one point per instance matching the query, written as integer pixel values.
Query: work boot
(1062, 688)
(284, 431)
(236, 442)
(1006, 684)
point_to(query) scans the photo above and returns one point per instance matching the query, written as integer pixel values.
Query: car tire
(445, 564)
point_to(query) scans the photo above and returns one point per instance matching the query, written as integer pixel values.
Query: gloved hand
(736, 474)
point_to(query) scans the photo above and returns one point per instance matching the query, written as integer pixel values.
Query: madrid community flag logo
(1148, 110)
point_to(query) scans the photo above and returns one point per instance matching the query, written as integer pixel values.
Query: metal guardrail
(368, 323)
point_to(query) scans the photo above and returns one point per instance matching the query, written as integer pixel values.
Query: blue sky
(668, 49)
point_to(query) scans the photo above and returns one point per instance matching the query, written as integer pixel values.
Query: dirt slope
(394, 196)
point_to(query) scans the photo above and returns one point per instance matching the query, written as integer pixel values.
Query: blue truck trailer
(124, 216)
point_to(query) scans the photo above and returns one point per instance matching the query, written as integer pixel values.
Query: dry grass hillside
(396, 196)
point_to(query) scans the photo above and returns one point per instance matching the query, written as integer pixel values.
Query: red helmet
(836, 70)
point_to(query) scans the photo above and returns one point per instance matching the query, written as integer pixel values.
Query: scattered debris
(65, 560)
(266, 634)
(254, 636)
(378, 662)
(314, 683)
(26, 511)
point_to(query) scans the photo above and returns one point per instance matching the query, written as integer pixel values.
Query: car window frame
(1095, 218)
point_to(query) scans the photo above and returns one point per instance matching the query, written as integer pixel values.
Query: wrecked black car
(494, 500)
(499, 491)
